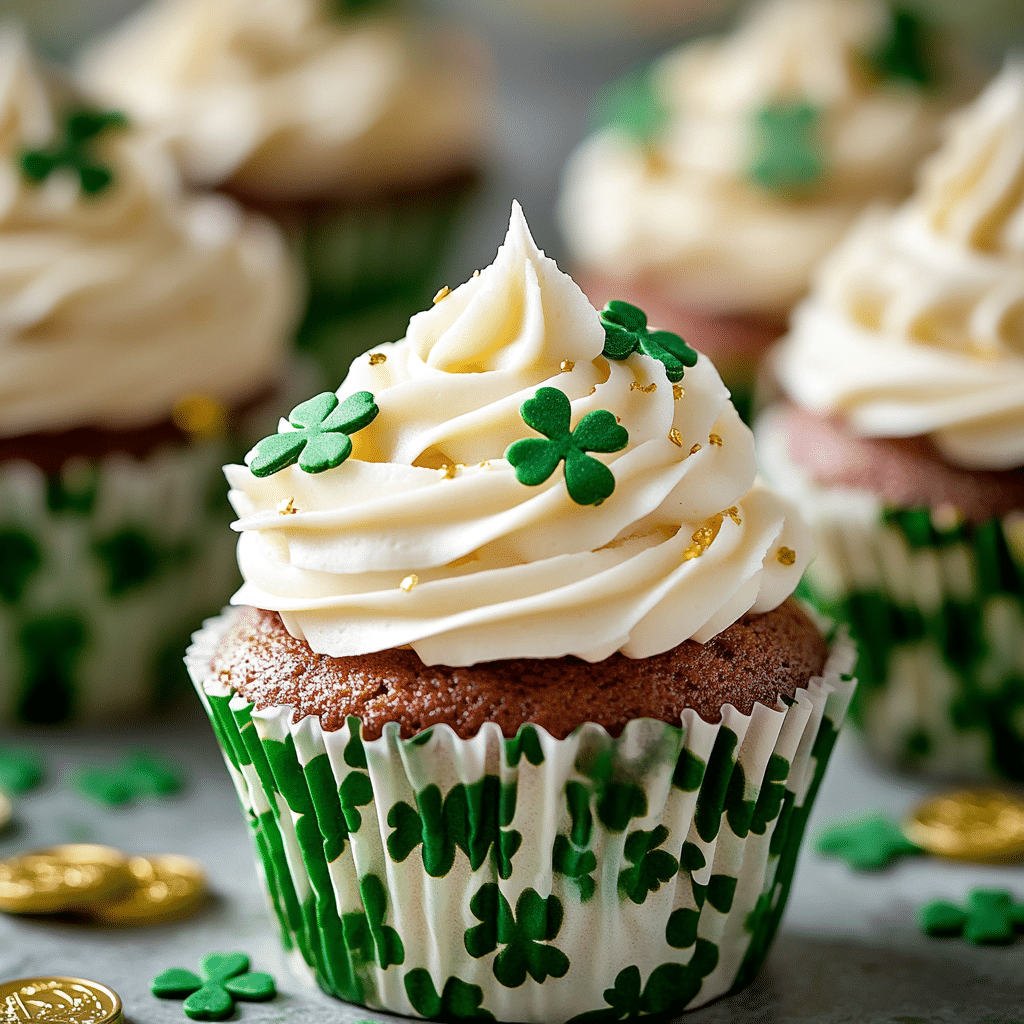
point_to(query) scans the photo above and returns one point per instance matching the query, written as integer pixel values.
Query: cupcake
(522, 717)
(137, 325)
(359, 133)
(724, 172)
(905, 444)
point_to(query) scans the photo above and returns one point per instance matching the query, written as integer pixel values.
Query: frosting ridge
(916, 325)
(425, 536)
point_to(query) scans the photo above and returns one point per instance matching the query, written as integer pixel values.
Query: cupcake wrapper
(104, 569)
(528, 879)
(938, 615)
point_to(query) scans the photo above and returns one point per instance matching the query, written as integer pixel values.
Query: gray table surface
(848, 950)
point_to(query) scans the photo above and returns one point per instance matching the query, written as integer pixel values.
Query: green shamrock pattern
(626, 331)
(319, 439)
(103, 574)
(588, 481)
(959, 653)
(516, 851)
(74, 151)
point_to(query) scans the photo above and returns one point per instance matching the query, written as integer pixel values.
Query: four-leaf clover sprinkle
(225, 978)
(320, 439)
(588, 481)
(625, 331)
(80, 128)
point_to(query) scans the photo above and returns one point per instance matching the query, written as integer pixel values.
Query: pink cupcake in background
(726, 170)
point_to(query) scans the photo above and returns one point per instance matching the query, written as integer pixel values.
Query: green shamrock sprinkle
(20, 771)
(903, 53)
(211, 996)
(625, 331)
(81, 127)
(320, 440)
(137, 775)
(866, 844)
(788, 151)
(992, 918)
(588, 481)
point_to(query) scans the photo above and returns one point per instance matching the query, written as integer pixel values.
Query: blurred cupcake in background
(360, 133)
(137, 326)
(906, 447)
(725, 171)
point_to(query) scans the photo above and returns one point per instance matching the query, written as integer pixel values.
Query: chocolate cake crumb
(758, 658)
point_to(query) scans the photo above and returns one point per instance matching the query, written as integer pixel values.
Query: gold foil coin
(165, 887)
(59, 1001)
(62, 878)
(983, 825)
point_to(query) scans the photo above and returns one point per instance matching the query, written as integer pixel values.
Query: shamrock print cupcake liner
(531, 879)
(937, 610)
(105, 567)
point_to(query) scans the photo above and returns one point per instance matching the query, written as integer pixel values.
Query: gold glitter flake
(981, 825)
(441, 293)
(485, 465)
(409, 582)
(447, 472)
(675, 437)
(704, 536)
(593, 390)
(695, 449)
(786, 556)
(476, 273)
(677, 392)
(376, 358)
(635, 385)
(566, 365)
(200, 416)
(289, 509)
(715, 440)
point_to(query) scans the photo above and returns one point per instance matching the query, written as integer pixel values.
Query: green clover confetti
(788, 150)
(588, 481)
(211, 996)
(81, 128)
(320, 440)
(992, 918)
(625, 331)
(903, 54)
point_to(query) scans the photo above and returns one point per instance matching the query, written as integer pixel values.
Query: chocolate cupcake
(721, 175)
(520, 714)
(139, 326)
(906, 449)
(360, 132)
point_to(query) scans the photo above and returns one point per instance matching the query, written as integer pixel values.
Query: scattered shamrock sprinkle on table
(993, 917)
(211, 996)
(138, 775)
(866, 844)
(20, 771)
(320, 438)
(81, 127)
(788, 156)
(625, 331)
(588, 481)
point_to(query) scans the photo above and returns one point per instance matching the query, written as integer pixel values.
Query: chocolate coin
(62, 878)
(983, 825)
(165, 887)
(59, 1001)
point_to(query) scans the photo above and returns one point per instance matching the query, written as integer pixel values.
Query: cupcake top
(520, 476)
(295, 98)
(118, 295)
(766, 141)
(916, 325)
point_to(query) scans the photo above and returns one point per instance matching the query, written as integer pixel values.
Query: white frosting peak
(917, 322)
(114, 306)
(425, 536)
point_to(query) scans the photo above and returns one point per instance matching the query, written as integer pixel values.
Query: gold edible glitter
(289, 509)
(201, 416)
(476, 273)
(593, 390)
(695, 449)
(734, 514)
(677, 392)
(441, 293)
(786, 556)
(704, 536)
(566, 365)
(715, 440)
(675, 437)
(376, 358)
(635, 385)
(447, 472)
(409, 582)
(485, 465)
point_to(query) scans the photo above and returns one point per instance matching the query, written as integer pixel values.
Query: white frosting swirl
(917, 322)
(115, 306)
(493, 568)
(683, 210)
(286, 99)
